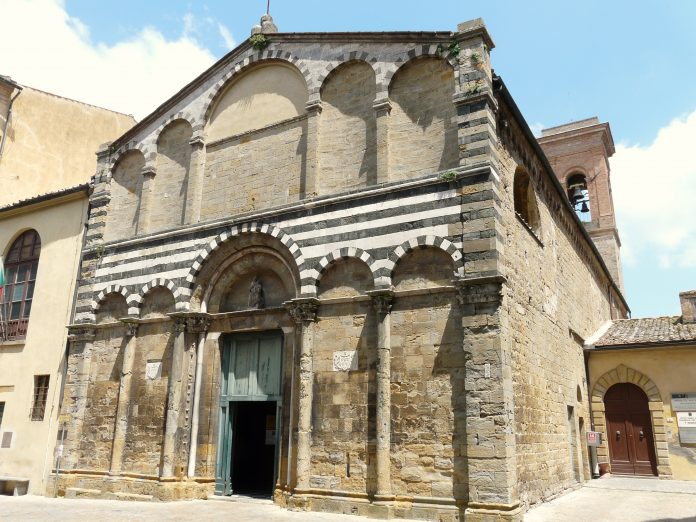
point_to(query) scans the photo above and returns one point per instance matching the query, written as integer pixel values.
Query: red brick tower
(579, 153)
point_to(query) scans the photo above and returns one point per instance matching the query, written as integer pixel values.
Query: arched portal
(241, 288)
(629, 430)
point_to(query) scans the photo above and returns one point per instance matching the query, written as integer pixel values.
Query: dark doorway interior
(253, 451)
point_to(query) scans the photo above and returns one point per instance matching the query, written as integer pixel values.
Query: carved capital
(382, 300)
(81, 333)
(302, 310)
(131, 325)
(148, 171)
(314, 107)
(198, 322)
(382, 106)
(196, 141)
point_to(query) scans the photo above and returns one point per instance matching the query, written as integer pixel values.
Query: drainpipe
(9, 117)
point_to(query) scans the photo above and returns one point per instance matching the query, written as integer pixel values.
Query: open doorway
(253, 454)
(250, 399)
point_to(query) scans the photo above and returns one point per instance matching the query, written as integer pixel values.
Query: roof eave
(507, 97)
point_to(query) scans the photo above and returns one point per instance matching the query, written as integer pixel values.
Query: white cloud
(43, 47)
(536, 129)
(226, 37)
(654, 191)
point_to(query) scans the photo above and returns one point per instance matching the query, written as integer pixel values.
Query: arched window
(579, 197)
(525, 200)
(21, 265)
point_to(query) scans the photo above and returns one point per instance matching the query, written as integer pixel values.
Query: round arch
(215, 244)
(386, 273)
(419, 52)
(243, 66)
(335, 65)
(133, 309)
(323, 264)
(185, 115)
(624, 374)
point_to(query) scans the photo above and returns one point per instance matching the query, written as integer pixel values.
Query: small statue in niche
(256, 298)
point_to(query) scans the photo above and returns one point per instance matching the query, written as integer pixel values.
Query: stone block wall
(344, 400)
(241, 175)
(555, 297)
(96, 436)
(146, 414)
(125, 192)
(171, 182)
(428, 404)
(422, 124)
(347, 153)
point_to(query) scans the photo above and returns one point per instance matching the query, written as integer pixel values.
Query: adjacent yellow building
(47, 156)
(647, 365)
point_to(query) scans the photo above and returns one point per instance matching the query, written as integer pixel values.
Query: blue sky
(632, 63)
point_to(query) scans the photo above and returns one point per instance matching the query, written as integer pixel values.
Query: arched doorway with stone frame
(245, 360)
(625, 375)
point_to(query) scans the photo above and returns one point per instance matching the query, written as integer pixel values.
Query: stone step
(82, 493)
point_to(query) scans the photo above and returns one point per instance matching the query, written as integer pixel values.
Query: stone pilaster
(382, 302)
(197, 324)
(382, 107)
(122, 408)
(194, 191)
(474, 99)
(81, 339)
(99, 199)
(490, 433)
(304, 313)
(174, 398)
(146, 195)
(311, 183)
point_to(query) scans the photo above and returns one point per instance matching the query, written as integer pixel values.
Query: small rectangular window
(38, 405)
(2, 410)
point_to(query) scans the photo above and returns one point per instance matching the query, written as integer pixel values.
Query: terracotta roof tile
(647, 330)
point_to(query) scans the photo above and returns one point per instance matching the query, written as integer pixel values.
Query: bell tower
(579, 153)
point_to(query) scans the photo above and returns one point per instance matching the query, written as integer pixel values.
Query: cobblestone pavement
(622, 499)
(31, 508)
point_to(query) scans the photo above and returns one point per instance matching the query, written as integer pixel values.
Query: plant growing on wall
(453, 49)
(448, 176)
(259, 41)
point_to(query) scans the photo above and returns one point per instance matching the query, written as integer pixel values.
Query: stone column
(81, 339)
(197, 323)
(146, 195)
(194, 191)
(174, 394)
(304, 313)
(311, 183)
(382, 107)
(490, 424)
(123, 406)
(382, 301)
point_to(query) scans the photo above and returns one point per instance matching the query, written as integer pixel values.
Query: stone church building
(338, 269)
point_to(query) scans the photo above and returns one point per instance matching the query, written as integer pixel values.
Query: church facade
(339, 270)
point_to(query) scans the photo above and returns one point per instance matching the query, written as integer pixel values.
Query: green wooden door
(251, 366)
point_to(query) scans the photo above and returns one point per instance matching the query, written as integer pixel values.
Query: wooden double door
(629, 431)
(250, 413)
